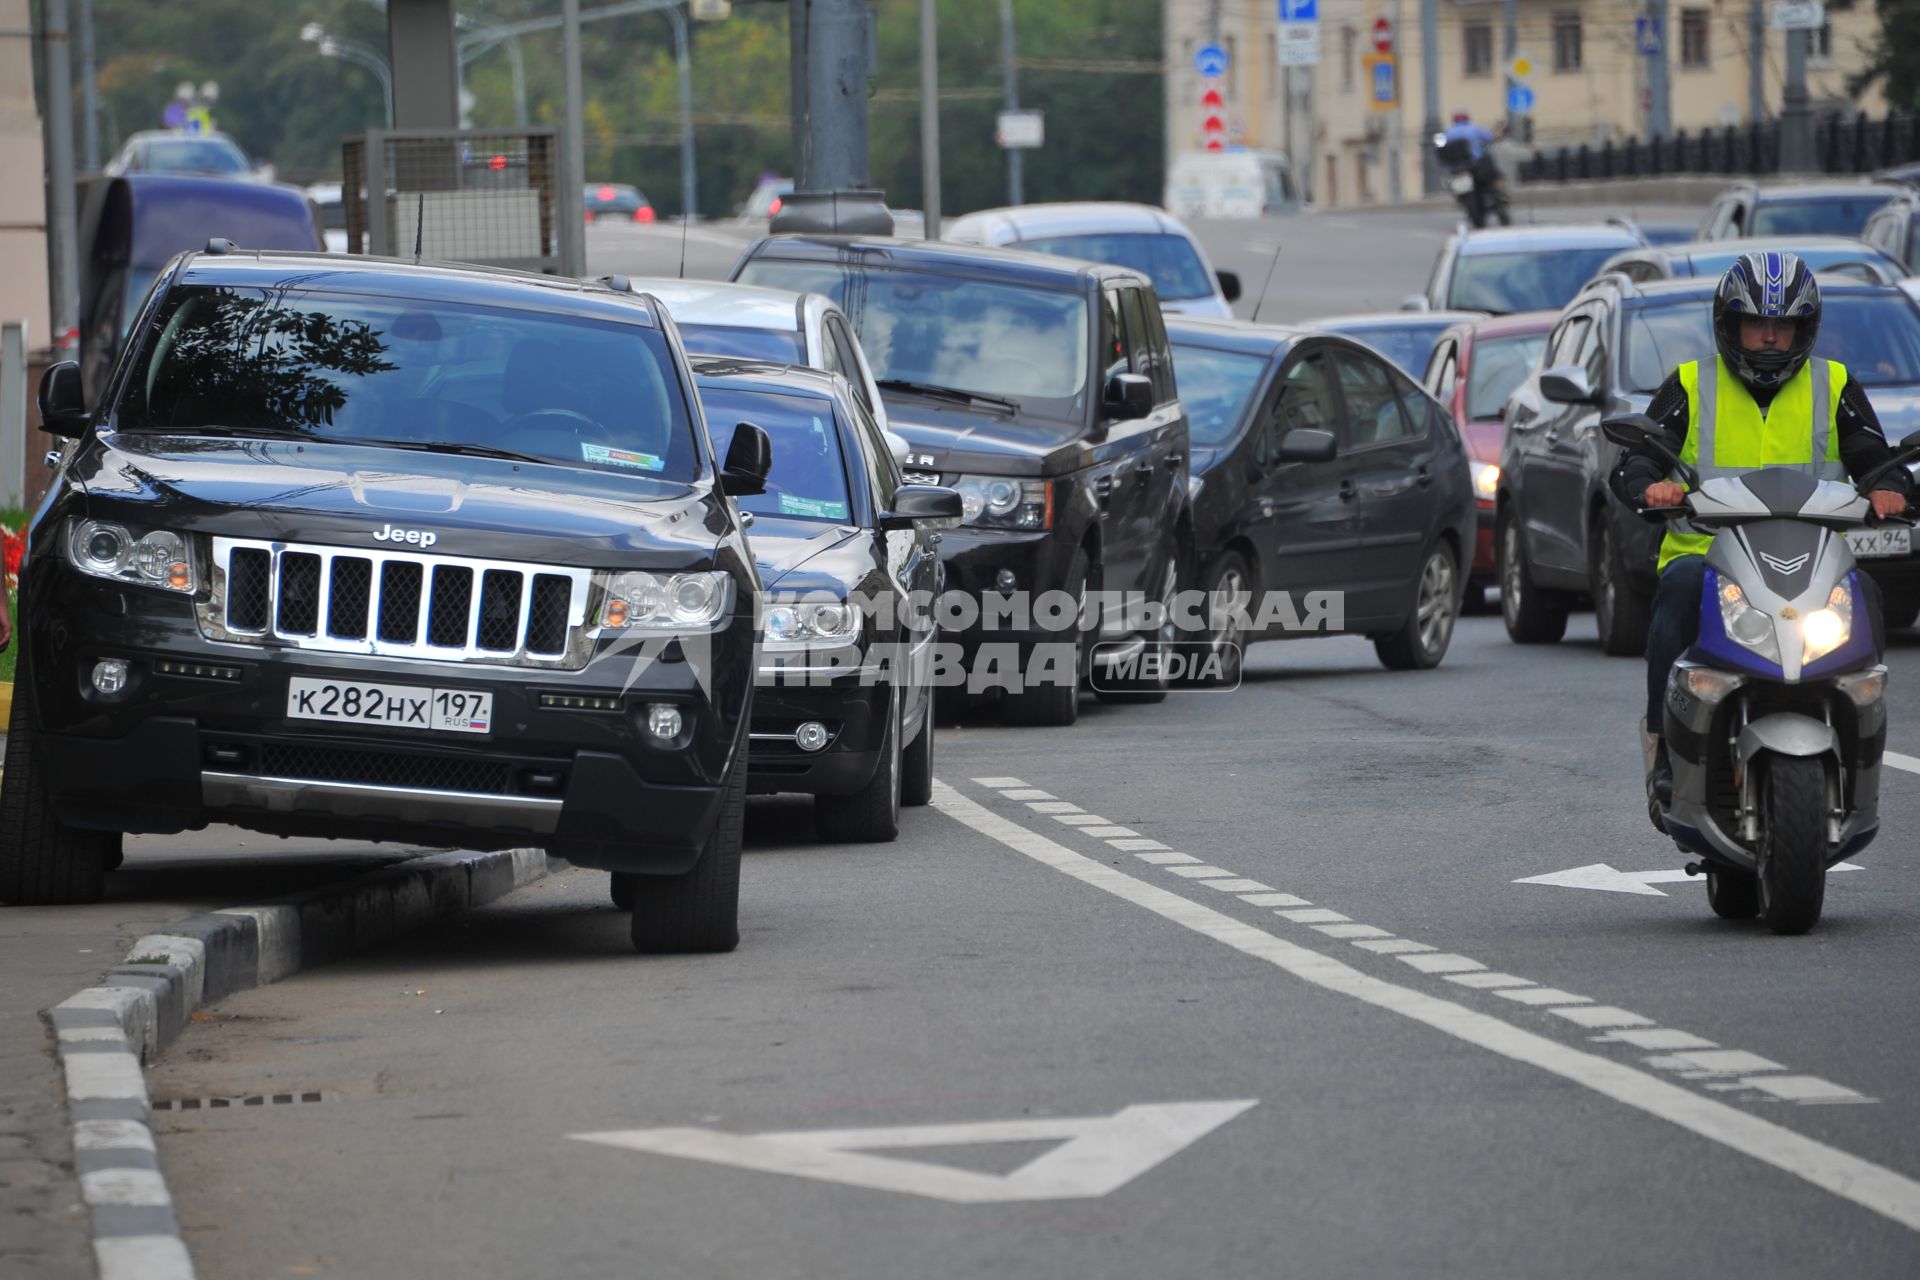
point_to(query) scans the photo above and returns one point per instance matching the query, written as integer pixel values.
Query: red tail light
(643, 214)
(606, 195)
(775, 206)
(497, 162)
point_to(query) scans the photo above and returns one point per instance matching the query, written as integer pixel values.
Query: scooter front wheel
(1793, 842)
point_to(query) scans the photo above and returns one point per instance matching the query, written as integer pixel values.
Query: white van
(1230, 184)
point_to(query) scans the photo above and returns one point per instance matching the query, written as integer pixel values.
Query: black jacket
(1863, 446)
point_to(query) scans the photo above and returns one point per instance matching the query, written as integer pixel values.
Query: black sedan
(844, 708)
(1330, 493)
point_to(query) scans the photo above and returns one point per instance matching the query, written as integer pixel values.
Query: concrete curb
(107, 1032)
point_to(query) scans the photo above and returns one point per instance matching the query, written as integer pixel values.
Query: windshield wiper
(464, 450)
(949, 394)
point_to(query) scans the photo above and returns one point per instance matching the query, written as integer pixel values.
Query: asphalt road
(1287, 923)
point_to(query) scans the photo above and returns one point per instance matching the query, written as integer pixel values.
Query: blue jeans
(1676, 624)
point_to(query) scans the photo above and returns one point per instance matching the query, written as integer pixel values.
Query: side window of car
(1165, 390)
(1567, 340)
(1910, 228)
(1133, 314)
(841, 342)
(1442, 369)
(1592, 355)
(882, 470)
(1304, 400)
(1113, 344)
(830, 358)
(1373, 405)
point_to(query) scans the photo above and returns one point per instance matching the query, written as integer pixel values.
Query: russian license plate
(1460, 183)
(404, 706)
(1890, 540)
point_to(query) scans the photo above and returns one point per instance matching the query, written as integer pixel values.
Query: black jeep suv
(376, 550)
(1042, 389)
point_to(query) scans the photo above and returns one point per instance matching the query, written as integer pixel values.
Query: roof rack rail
(1628, 224)
(619, 284)
(220, 245)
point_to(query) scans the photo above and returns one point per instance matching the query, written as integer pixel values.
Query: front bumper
(855, 714)
(1485, 571)
(177, 749)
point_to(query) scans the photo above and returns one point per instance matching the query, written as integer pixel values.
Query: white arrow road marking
(1099, 1154)
(1599, 875)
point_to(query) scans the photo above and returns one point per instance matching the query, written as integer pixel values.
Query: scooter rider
(1761, 402)
(1473, 146)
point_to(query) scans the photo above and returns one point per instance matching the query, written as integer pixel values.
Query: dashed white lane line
(1910, 763)
(1051, 806)
(1029, 794)
(1315, 915)
(997, 783)
(1085, 821)
(1441, 962)
(1484, 981)
(1166, 859)
(1661, 1038)
(1351, 930)
(1720, 1062)
(1201, 872)
(1882, 1190)
(1237, 886)
(1802, 1089)
(1274, 900)
(1543, 996)
(1394, 946)
(1137, 845)
(1108, 832)
(1600, 1017)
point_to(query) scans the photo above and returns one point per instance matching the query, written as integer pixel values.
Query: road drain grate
(249, 1100)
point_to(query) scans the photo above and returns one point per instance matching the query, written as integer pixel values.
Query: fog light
(810, 736)
(663, 721)
(1004, 580)
(110, 675)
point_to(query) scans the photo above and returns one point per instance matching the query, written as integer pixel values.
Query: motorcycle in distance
(1776, 719)
(1476, 184)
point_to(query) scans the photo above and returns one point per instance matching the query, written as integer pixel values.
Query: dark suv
(1042, 389)
(368, 549)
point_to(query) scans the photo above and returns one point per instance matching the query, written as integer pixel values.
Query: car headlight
(641, 601)
(1825, 630)
(1486, 480)
(1747, 625)
(812, 623)
(1002, 502)
(106, 550)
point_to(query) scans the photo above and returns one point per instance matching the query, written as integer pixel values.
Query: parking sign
(1299, 10)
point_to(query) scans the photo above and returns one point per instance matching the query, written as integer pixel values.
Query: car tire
(1532, 616)
(1422, 640)
(916, 764)
(1146, 690)
(870, 815)
(1056, 704)
(1230, 581)
(699, 909)
(43, 861)
(1900, 609)
(621, 890)
(1621, 613)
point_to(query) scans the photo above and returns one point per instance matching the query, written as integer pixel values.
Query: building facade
(23, 201)
(1588, 78)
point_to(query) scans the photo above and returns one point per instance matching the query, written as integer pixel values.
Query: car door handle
(1175, 459)
(1347, 491)
(1423, 477)
(1144, 466)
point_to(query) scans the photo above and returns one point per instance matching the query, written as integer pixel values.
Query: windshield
(254, 361)
(984, 336)
(782, 346)
(1817, 258)
(1168, 260)
(1407, 345)
(809, 476)
(1877, 337)
(1214, 389)
(199, 155)
(1496, 368)
(1537, 280)
(1815, 217)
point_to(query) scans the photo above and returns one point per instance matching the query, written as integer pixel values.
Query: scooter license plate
(1869, 544)
(1460, 183)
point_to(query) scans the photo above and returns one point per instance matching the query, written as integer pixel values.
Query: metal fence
(1842, 146)
(458, 195)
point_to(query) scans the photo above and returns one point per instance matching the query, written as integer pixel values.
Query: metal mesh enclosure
(461, 196)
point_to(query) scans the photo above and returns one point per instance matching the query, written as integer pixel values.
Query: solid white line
(1847, 1176)
(142, 1258)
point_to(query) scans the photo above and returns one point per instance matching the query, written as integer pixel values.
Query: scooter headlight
(1825, 630)
(1747, 625)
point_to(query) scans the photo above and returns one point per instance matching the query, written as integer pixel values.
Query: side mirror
(1415, 302)
(1129, 396)
(1568, 385)
(63, 404)
(1308, 444)
(1638, 431)
(749, 459)
(1229, 284)
(916, 502)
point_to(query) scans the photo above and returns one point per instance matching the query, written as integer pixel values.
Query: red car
(1474, 367)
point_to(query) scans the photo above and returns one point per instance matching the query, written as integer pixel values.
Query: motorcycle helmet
(1772, 285)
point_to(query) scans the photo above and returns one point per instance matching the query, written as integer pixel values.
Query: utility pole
(683, 58)
(1756, 61)
(573, 156)
(1016, 184)
(1430, 91)
(830, 70)
(1510, 41)
(1398, 125)
(89, 96)
(1796, 112)
(63, 231)
(1659, 83)
(930, 116)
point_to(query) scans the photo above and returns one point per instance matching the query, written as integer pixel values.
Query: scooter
(1776, 719)
(1476, 184)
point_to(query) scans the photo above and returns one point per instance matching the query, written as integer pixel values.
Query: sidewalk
(49, 953)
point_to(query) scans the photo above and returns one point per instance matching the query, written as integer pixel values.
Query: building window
(1477, 43)
(1273, 65)
(1693, 37)
(1820, 43)
(1349, 40)
(1566, 42)
(1230, 82)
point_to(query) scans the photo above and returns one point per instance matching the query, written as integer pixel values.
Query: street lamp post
(332, 46)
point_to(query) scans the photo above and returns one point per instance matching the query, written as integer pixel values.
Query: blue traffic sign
(1647, 34)
(1519, 99)
(1210, 60)
(1299, 10)
(1385, 92)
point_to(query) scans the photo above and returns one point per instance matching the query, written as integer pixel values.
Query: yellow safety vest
(1728, 434)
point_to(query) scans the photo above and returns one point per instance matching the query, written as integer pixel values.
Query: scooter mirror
(1629, 430)
(1909, 454)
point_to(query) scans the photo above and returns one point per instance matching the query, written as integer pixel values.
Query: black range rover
(1042, 389)
(377, 550)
